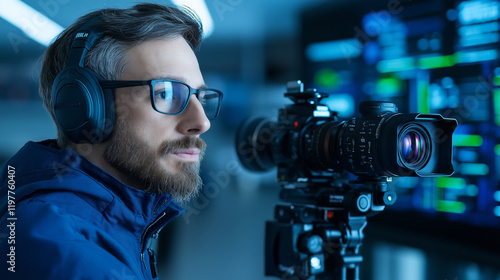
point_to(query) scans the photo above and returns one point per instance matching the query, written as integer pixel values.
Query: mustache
(168, 147)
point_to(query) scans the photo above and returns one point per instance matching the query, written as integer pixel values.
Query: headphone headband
(84, 112)
(83, 40)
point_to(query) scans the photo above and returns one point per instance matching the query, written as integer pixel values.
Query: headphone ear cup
(83, 111)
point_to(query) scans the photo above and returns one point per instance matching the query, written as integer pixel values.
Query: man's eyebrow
(177, 78)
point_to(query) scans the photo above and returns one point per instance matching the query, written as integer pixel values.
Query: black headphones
(83, 111)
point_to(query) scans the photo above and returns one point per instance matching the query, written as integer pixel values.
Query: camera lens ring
(414, 147)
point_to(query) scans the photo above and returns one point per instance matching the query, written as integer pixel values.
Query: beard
(140, 164)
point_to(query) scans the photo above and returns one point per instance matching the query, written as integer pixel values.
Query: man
(126, 92)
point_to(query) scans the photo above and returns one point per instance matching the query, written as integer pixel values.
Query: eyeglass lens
(172, 98)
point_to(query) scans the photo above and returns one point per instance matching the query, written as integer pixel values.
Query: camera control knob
(376, 108)
(311, 243)
(390, 197)
(363, 203)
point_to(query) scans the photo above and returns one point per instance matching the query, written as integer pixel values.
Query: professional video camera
(318, 233)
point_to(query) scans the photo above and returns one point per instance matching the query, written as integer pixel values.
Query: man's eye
(166, 95)
(160, 94)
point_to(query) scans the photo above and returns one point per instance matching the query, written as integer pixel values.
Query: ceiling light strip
(37, 26)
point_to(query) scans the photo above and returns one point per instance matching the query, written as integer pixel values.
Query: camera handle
(319, 235)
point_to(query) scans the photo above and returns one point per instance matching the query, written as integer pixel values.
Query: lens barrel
(376, 144)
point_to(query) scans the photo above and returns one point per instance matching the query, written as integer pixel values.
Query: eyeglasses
(171, 97)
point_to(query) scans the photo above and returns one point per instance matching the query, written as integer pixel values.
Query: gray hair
(122, 29)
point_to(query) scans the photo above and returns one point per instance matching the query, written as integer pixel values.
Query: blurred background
(425, 56)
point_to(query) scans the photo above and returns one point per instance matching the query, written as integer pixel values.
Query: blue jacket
(64, 218)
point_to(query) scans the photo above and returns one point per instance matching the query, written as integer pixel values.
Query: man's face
(150, 150)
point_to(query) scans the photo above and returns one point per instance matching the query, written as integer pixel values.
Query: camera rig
(318, 230)
(318, 235)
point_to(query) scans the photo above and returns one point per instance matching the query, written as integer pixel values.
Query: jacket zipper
(152, 263)
(151, 252)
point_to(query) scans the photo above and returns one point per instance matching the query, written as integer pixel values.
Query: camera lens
(414, 147)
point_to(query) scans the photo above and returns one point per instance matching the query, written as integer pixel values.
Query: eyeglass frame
(112, 84)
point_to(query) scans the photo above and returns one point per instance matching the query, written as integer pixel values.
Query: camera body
(309, 143)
